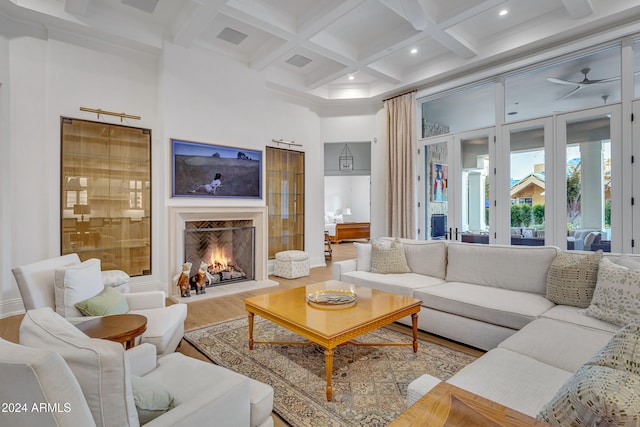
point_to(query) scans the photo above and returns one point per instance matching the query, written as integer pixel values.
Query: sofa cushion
(576, 315)
(630, 262)
(401, 284)
(428, 257)
(386, 259)
(501, 266)
(76, 283)
(622, 352)
(163, 325)
(511, 379)
(364, 256)
(564, 345)
(100, 366)
(595, 395)
(572, 278)
(106, 303)
(504, 307)
(616, 298)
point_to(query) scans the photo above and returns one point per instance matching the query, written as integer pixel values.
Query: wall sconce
(345, 159)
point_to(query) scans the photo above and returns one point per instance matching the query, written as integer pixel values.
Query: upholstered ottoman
(291, 264)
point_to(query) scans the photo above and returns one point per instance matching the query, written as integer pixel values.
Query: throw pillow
(151, 399)
(572, 277)
(107, 302)
(622, 352)
(387, 259)
(115, 278)
(595, 396)
(76, 283)
(616, 298)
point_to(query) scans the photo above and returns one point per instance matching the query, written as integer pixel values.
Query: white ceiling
(370, 40)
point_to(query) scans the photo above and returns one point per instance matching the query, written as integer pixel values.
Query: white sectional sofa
(492, 297)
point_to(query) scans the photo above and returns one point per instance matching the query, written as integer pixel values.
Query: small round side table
(122, 328)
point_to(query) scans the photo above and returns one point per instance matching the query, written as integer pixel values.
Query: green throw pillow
(151, 399)
(107, 302)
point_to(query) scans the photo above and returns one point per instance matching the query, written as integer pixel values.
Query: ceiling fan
(580, 85)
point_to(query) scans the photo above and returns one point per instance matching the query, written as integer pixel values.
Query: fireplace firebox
(224, 249)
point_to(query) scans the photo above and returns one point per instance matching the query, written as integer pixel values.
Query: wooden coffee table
(331, 327)
(448, 405)
(122, 328)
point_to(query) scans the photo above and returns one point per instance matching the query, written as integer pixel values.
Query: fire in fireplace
(225, 250)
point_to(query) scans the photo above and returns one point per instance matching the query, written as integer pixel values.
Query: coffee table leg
(328, 361)
(414, 322)
(251, 315)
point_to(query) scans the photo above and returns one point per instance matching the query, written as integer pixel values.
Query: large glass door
(471, 189)
(529, 188)
(434, 190)
(589, 156)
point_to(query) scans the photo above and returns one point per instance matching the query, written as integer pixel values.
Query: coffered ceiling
(331, 49)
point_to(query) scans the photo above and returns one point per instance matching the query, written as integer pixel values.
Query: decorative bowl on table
(332, 298)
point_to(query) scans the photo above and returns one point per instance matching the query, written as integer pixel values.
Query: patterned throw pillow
(622, 352)
(616, 298)
(387, 258)
(595, 396)
(572, 277)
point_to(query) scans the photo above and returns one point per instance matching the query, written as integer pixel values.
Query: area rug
(369, 383)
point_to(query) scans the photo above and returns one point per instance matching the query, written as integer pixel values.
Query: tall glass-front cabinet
(105, 204)
(285, 200)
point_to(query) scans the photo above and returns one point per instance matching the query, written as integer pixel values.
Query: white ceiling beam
(468, 13)
(76, 7)
(312, 24)
(578, 8)
(187, 30)
(417, 15)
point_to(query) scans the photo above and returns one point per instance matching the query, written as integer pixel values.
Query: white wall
(49, 79)
(9, 298)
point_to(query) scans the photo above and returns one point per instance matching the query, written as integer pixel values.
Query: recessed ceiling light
(503, 12)
(414, 51)
(351, 77)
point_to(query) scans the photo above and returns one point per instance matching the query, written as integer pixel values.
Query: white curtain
(402, 150)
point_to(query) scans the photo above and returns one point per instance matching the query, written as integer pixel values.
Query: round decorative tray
(332, 298)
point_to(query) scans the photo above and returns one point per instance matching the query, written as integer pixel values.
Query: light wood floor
(214, 310)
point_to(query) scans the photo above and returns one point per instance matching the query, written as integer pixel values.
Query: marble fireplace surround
(179, 215)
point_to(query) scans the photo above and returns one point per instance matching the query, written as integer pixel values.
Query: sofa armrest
(145, 300)
(341, 267)
(142, 359)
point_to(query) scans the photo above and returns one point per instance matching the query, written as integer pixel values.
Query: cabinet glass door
(106, 194)
(285, 200)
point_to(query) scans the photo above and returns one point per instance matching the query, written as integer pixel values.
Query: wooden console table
(122, 328)
(448, 405)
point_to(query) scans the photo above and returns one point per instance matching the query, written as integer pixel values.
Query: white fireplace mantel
(179, 215)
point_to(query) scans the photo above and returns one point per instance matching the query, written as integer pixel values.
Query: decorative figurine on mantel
(183, 280)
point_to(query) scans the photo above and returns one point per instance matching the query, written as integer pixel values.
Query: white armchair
(165, 325)
(203, 393)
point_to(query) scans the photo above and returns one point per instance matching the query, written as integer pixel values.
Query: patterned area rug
(369, 383)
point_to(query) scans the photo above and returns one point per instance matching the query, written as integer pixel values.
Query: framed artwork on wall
(215, 171)
(440, 177)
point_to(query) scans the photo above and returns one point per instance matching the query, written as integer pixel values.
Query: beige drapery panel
(402, 150)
